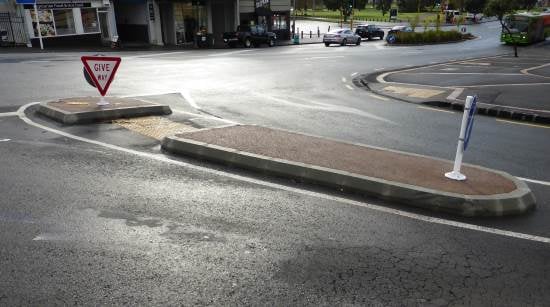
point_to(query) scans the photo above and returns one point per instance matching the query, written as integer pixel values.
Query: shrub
(430, 37)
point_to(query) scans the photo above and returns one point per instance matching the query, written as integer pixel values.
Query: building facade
(148, 22)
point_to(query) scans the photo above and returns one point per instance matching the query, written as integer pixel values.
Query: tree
(501, 8)
(344, 6)
(384, 6)
(475, 6)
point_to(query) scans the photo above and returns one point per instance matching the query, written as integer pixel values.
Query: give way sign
(102, 70)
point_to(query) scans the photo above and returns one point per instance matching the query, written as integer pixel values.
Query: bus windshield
(517, 24)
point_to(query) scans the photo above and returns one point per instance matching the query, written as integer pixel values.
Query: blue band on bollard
(470, 123)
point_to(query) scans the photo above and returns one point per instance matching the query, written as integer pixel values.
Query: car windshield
(518, 24)
(336, 31)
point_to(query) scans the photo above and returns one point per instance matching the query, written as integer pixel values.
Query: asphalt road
(109, 219)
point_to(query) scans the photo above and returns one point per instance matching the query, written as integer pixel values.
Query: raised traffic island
(84, 110)
(406, 178)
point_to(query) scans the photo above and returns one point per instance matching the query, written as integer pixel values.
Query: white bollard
(455, 174)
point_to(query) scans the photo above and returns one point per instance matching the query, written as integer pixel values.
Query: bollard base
(102, 102)
(455, 176)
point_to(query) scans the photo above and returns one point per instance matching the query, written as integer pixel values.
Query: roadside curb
(516, 202)
(539, 117)
(132, 108)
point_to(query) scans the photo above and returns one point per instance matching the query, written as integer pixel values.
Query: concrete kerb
(500, 111)
(518, 201)
(75, 118)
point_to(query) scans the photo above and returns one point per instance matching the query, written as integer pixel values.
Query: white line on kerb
(354, 74)
(414, 216)
(349, 87)
(454, 95)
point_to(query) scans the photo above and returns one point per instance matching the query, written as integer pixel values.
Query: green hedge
(428, 37)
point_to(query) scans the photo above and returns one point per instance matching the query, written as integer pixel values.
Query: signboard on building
(265, 4)
(25, 1)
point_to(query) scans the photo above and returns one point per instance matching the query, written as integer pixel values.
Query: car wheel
(247, 43)
(327, 44)
(344, 42)
(271, 42)
(358, 42)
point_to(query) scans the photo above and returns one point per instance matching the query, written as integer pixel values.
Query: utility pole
(294, 19)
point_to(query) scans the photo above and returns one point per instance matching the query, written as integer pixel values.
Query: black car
(369, 31)
(392, 33)
(249, 36)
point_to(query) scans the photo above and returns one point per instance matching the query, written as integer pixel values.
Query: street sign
(470, 123)
(102, 70)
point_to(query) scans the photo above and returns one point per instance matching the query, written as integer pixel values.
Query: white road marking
(187, 96)
(206, 116)
(378, 97)
(38, 61)
(509, 84)
(344, 79)
(546, 183)
(460, 73)
(230, 52)
(349, 87)
(153, 55)
(325, 57)
(526, 71)
(414, 216)
(327, 107)
(380, 46)
(455, 93)
(8, 114)
(521, 123)
(5, 140)
(354, 74)
(377, 69)
(435, 109)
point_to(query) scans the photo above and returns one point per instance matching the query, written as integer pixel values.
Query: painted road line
(325, 57)
(187, 96)
(378, 97)
(349, 87)
(337, 199)
(435, 109)
(526, 71)
(5, 140)
(230, 53)
(8, 114)
(381, 68)
(546, 183)
(344, 79)
(454, 95)
(460, 73)
(509, 84)
(153, 55)
(197, 115)
(522, 123)
(354, 74)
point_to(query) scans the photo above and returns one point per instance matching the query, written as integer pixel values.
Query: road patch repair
(84, 110)
(508, 87)
(406, 178)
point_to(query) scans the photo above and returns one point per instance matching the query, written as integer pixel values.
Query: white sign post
(102, 71)
(465, 131)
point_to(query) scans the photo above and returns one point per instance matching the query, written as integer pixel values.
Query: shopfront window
(64, 22)
(45, 19)
(279, 22)
(89, 20)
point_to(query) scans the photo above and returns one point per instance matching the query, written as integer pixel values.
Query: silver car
(342, 37)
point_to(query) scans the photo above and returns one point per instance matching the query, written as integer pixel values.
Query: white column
(112, 21)
(78, 21)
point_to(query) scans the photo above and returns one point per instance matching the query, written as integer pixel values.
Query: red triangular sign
(102, 70)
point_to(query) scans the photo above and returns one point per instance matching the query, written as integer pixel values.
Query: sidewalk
(391, 175)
